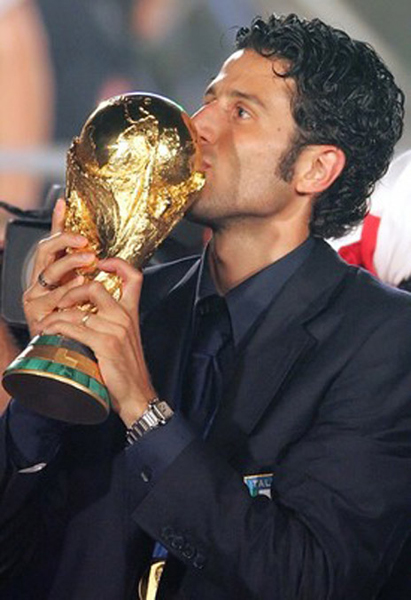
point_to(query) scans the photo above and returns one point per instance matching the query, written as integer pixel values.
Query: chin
(196, 217)
(196, 211)
(205, 210)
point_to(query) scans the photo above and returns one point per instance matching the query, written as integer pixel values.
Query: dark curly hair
(344, 96)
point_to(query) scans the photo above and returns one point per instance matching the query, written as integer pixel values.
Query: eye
(241, 112)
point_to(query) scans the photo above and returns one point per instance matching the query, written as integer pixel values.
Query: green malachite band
(49, 340)
(59, 341)
(39, 365)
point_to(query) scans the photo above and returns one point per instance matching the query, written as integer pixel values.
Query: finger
(57, 220)
(132, 282)
(117, 324)
(105, 339)
(37, 293)
(108, 311)
(73, 316)
(94, 322)
(37, 307)
(64, 326)
(60, 270)
(48, 249)
(95, 293)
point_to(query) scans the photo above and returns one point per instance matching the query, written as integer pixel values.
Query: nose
(206, 123)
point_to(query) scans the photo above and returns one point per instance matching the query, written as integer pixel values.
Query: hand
(112, 333)
(54, 266)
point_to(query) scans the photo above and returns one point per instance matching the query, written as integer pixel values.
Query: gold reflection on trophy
(131, 175)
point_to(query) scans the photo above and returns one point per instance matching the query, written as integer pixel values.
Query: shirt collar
(247, 301)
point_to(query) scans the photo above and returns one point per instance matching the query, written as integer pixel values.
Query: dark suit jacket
(320, 399)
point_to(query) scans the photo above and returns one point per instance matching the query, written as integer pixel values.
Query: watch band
(157, 413)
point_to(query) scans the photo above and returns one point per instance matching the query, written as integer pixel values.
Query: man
(285, 470)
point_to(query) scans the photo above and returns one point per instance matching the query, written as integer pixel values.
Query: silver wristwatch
(157, 413)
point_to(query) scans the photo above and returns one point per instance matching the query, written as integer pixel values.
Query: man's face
(245, 126)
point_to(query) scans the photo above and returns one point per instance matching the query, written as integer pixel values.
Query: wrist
(157, 414)
(131, 414)
(136, 404)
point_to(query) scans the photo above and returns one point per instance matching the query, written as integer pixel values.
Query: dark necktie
(209, 362)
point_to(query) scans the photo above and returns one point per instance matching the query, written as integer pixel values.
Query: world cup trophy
(131, 175)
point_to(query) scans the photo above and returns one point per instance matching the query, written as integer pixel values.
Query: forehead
(249, 72)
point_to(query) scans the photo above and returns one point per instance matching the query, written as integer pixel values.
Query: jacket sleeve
(341, 496)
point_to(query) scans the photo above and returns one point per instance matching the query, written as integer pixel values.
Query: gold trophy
(130, 177)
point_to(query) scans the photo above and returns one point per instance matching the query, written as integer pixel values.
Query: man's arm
(341, 495)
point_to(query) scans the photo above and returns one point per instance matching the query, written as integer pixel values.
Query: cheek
(255, 165)
(257, 177)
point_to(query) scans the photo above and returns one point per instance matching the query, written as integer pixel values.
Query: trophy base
(59, 378)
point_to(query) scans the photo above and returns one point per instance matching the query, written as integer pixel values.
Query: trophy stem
(59, 378)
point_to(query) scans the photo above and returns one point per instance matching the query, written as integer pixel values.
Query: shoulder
(359, 290)
(353, 303)
(367, 293)
(371, 315)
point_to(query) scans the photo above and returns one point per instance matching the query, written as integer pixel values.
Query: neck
(238, 252)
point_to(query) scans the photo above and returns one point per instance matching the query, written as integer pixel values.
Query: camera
(23, 232)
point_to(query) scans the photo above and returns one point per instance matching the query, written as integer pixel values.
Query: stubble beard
(216, 202)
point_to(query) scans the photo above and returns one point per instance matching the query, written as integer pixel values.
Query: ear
(317, 167)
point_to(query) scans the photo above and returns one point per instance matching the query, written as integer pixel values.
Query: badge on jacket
(259, 485)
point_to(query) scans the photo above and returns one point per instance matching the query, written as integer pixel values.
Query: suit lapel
(165, 331)
(277, 345)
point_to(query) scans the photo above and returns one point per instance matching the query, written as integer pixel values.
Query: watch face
(163, 409)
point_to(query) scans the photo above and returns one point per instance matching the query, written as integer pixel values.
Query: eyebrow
(211, 91)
